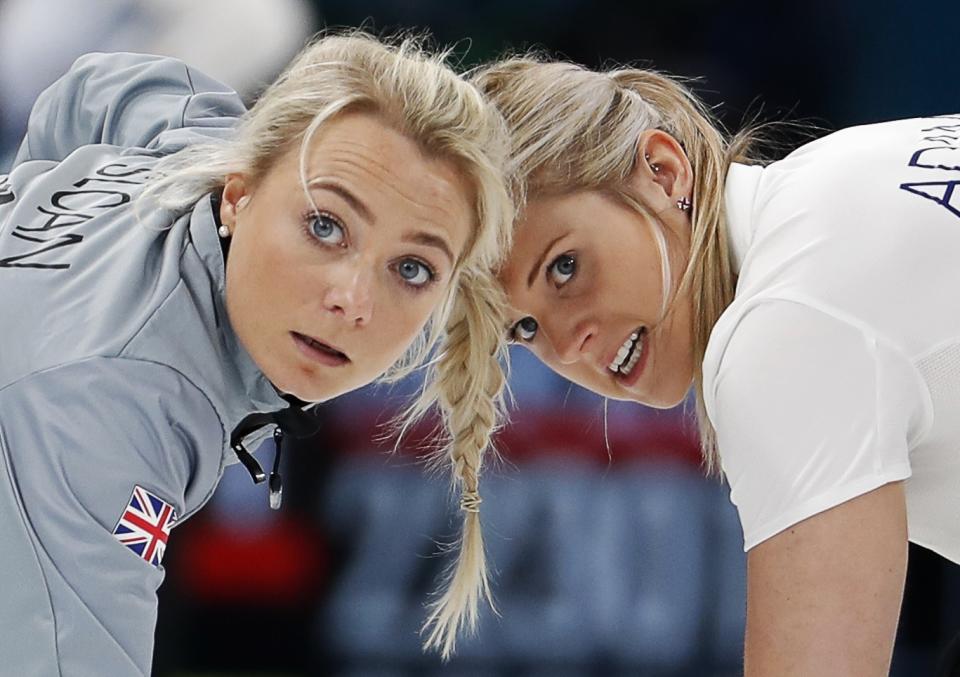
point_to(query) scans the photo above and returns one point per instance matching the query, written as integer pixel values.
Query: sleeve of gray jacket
(75, 444)
(127, 100)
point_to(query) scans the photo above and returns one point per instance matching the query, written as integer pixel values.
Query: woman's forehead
(383, 177)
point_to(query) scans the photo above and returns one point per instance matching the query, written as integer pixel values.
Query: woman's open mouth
(629, 361)
(318, 351)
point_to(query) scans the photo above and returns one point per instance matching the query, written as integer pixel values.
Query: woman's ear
(235, 197)
(662, 174)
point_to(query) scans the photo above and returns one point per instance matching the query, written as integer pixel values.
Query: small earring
(684, 204)
(653, 165)
(223, 232)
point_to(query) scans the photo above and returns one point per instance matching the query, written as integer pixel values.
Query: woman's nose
(349, 293)
(572, 341)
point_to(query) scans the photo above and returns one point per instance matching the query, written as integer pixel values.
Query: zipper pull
(249, 462)
(276, 484)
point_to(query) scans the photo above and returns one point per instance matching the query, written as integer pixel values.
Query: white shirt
(836, 369)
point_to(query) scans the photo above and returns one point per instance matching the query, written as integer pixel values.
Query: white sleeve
(127, 100)
(810, 411)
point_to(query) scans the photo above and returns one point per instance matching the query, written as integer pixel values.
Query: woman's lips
(318, 351)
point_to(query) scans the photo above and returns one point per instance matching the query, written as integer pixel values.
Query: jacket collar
(247, 388)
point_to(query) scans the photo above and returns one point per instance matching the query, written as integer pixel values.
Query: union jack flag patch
(145, 525)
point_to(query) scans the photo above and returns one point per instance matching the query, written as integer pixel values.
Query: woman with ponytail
(811, 304)
(181, 277)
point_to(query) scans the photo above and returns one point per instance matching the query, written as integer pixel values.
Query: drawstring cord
(293, 421)
(249, 462)
(256, 470)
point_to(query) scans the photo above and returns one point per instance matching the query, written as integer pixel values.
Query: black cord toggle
(276, 484)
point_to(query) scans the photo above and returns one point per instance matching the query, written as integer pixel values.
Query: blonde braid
(469, 387)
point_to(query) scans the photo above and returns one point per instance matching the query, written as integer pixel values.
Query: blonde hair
(422, 97)
(577, 129)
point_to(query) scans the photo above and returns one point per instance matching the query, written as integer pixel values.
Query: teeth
(632, 362)
(628, 345)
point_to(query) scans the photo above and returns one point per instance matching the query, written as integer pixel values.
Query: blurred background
(612, 554)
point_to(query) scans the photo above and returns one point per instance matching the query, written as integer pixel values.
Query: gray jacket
(118, 365)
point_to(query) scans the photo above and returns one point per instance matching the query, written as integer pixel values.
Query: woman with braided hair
(181, 276)
(811, 303)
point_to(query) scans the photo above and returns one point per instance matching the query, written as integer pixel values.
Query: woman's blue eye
(327, 229)
(562, 269)
(414, 272)
(525, 329)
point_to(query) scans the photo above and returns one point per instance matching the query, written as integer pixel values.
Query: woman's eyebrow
(431, 240)
(355, 203)
(543, 255)
(420, 237)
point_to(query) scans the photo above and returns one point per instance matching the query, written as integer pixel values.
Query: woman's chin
(305, 388)
(666, 396)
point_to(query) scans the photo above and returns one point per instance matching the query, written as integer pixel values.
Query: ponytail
(709, 274)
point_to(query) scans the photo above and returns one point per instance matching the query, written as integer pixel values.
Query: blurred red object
(279, 562)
